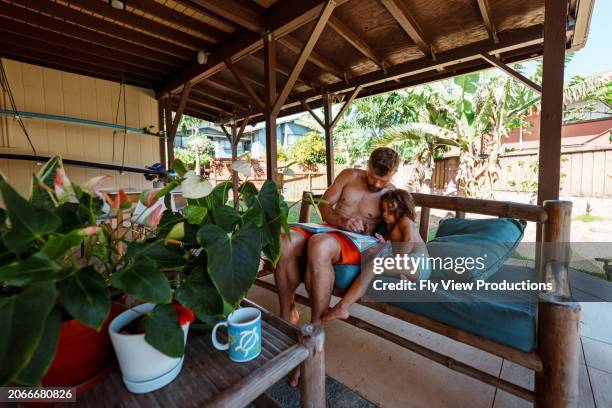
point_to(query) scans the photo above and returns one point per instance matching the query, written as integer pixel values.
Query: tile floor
(391, 376)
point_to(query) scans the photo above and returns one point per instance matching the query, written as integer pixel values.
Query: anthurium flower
(121, 200)
(183, 314)
(93, 185)
(150, 198)
(63, 188)
(92, 230)
(194, 187)
(154, 217)
(243, 167)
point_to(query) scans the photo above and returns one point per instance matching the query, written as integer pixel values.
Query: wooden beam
(142, 23)
(212, 95)
(496, 62)
(270, 97)
(551, 115)
(329, 138)
(228, 86)
(282, 18)
(283, 70)
(313, 114)
(176, 17)
(303, 56)
(245, 84)
(147, 55)
(356, 41)
(485, 11)
(344, 108)
(400, 12)
(163, 146)
(87, 20)
(315, 58)
(179, 110)
(206, 13)
(234, 12)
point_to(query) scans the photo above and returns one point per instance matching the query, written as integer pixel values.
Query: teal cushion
(489, 240)
(345, 275)
(510, 322)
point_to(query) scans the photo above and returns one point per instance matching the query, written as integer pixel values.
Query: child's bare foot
(294, 378)
(340, 311)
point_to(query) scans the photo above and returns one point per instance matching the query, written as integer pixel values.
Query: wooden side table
(210, 379)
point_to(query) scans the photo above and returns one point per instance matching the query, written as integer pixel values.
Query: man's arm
(331, 197)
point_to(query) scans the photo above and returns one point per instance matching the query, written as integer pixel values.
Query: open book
(361, 241)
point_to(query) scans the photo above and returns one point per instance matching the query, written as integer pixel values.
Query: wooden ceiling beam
(485, 12)
(67, 60)
(345, 107)
(176, 17)
(324, 17)
(70, 14)
(212, 105)
(192, 6)
(508, 70)
(313, 114)
(356, 41)
(245, 84)
(213, 95)
(143, 53)
(227, 86)
(282, 18)
(284, 70)
(232, 11)
(507, 41)
(315, 58)
(143, 23)
(180, 109)
(400, 12)
(70, 67)
(30, 34)
(58, 45)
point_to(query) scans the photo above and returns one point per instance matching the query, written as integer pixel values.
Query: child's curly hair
(401, 201)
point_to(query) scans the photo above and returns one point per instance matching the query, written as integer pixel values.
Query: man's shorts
(350, 255)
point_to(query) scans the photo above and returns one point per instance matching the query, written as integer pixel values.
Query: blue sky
(596, 56)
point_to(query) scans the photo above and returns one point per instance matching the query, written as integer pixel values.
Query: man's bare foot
(294, 378)
(294, 315)
(340, 311)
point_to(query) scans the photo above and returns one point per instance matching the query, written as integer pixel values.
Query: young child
(399, 214)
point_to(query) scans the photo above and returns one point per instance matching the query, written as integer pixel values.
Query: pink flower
(93, 184)
(63, 188)
(90, 230)
(155, 216)
(150, 198)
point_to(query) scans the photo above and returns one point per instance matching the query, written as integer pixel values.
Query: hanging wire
(117, 116)
(4, 83)
(124, 126)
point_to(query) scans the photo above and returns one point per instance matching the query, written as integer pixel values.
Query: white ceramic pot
(143, 367)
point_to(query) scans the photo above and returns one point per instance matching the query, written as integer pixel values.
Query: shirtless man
(352, 204)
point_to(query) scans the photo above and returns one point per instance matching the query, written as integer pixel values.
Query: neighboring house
(223, 149)
(288, 131)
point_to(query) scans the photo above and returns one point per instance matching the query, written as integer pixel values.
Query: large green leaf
(233, 258)
(167, 222)
(166, 257)
(219, 195)
(268, 200)
(163, 331)
(248, 191)
(58, 244)
(27, 221)
(143, 280)
(23, 318)
(34, 372)
(86, 297)
(226, 217)
(35, 269)
(198, 293)
(195, 214)
(41, 197)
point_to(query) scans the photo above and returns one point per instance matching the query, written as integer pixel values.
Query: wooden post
(234, 143)
(556, 386)
(312, 383)
(270, 98)
(424, 223)
(163, 144)
(168, 139)
(555, 19)
(329, 138)
(555, 253)
(558, 316)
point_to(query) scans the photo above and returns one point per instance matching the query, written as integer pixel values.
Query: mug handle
(219, 346)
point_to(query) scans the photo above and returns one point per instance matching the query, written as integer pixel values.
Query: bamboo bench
(555, 358)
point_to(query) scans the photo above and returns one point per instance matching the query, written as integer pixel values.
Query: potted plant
(60, 271)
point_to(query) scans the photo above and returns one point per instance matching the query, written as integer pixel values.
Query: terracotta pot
(83, 354)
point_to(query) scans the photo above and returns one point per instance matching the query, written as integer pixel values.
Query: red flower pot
(84, 356)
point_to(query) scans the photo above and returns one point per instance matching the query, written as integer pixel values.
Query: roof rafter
(247, 87)
(315, 58)
(508, 70)
(485, 11)
(241, 15)
(356, 41)
(284, 70)
(400, 12)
